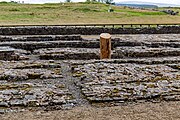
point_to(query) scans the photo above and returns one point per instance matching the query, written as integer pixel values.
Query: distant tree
(13, 2)
(3, 2)
(68, 0)
(91, 1)
(107, 1)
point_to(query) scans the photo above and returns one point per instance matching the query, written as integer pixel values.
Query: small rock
(4, 104)
(2, 111)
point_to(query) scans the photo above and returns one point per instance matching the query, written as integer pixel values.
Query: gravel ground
(145, 111)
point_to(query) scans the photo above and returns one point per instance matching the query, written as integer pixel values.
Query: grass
(70, 13)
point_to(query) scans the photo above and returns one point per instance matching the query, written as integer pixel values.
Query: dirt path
(143, 111)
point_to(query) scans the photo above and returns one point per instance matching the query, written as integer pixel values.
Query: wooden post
(105, 46)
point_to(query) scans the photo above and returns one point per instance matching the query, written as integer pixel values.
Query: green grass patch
(65, 13)
(136, 13)
(18, 16)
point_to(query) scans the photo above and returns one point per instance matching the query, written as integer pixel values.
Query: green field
(70, 13)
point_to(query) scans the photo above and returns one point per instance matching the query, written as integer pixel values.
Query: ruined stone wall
(57, 30)
(53, 72)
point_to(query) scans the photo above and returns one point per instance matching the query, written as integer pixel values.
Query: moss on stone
(78, 74)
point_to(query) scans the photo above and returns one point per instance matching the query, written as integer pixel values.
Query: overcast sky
(177, 2)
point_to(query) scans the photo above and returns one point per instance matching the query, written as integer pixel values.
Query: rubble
(59, 72)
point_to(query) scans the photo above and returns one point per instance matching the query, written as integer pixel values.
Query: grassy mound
(67, 13)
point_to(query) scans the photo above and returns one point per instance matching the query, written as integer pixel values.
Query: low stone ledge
(55, 30)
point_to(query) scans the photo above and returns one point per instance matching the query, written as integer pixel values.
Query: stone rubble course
(53, 72)
(103, 82)
(33, 83)
(27, 94)
(40, 38)
(68, 53)
(59, 30)
(142, 51)
(8, 53)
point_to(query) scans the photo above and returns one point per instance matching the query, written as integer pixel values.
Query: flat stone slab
(30, 70)
(6, 49)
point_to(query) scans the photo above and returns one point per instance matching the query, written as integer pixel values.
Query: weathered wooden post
(105, 46)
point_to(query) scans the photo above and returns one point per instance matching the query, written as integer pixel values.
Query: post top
(105, 35)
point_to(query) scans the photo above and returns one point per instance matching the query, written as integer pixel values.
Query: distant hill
(138, 5)
(145, 4)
